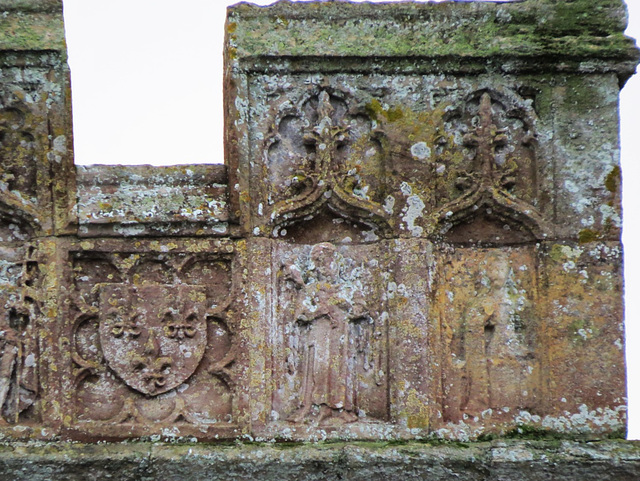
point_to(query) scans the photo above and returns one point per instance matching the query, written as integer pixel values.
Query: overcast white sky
(147, 89)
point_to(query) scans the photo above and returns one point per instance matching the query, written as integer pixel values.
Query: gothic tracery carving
(500, 146)
(318, 157)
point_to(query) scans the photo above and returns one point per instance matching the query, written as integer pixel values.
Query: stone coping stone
(31, 25)
(506, 460)
(31, 5)
(117, 196)
(558, 31)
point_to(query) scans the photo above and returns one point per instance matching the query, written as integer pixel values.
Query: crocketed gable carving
(499, 139)
(317, 158)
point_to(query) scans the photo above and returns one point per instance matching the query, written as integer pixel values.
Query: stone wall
(416, 235)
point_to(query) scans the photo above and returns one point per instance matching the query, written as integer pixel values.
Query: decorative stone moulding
(416, 235)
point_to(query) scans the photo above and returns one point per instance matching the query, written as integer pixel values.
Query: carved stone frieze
(415, 236)
(411, 155)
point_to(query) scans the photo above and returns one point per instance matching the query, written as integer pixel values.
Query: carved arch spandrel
(15, 210)
(325, 155)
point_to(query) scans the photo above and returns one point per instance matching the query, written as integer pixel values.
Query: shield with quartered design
(152, 337)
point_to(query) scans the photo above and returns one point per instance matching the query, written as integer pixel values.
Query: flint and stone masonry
(412, 250)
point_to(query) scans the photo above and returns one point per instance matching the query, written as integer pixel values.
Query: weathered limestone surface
(115, 200)
(416, 236)
(37, 203)
(500, 460)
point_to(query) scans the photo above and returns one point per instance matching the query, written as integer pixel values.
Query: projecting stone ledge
(509, 460)
(124, 201)
(584, 36)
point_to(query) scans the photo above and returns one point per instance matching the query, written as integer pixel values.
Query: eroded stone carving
(500, 147)
(152, 344)
(18, 149)
(403, 243)
(325, 154)
(337, 346)
(19, 383)
(152, 337)
(487, 307)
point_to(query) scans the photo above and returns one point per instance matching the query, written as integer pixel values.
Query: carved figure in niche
(490, 314)
(18, 378)
(153, 338)
(334, 336)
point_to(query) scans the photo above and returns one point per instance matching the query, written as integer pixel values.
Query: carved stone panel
(19, 344)
(488, 308)
(153, 341)
(492, 189)
(331, 364)
(407, 155)
(323, 156)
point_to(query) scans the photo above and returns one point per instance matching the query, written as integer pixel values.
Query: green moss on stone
(526, 431)
(35, 31)
(376, 111)
(612, 182)
(582, 17)
(577, 29)
(588, 235)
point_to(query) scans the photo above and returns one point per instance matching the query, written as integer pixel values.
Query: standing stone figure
(17, 365)
(9, 349)
(332, 322)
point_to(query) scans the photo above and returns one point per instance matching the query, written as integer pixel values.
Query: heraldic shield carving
(152, 337)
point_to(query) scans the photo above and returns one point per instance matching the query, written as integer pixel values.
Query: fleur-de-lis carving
(327, 135)
(126, 327)
(179, 330)
(154, 371)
